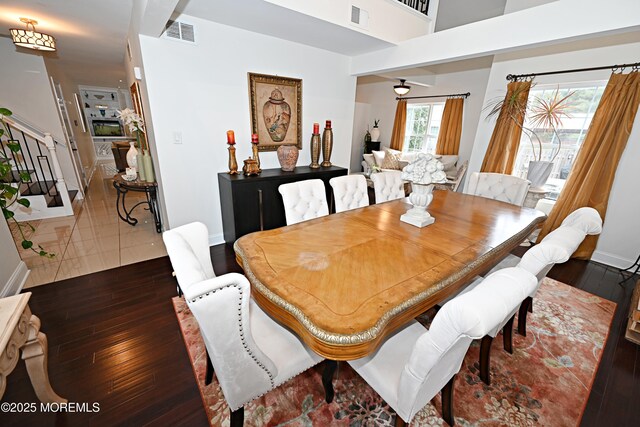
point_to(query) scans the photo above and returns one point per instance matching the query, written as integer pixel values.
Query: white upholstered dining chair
(304, 200)
(555, 248)
(414, 364)
(388, 185)
(251, 353)
(349, 192)
(497, 186)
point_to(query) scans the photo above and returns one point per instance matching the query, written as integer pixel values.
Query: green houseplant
(9, 192)
(544, 115)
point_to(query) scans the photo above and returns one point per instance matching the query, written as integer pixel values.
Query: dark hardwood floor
(114, 339)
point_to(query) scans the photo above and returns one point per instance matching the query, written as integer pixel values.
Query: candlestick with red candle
(254, 148)
(233, 164)
(231, 137)
(315, 147)
(327, 145)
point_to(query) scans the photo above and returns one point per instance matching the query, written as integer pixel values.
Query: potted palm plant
(545, 115)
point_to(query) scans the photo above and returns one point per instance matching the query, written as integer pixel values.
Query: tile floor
(94, 239)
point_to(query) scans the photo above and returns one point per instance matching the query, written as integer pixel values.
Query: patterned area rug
(545, 382)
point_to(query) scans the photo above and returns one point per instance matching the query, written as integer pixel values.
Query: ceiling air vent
(359, 17)
(179, 31)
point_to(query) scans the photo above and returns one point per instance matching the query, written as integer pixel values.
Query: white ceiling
(266, 18)
(90, 35)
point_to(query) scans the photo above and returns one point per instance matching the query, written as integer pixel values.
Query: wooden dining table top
(345, 281)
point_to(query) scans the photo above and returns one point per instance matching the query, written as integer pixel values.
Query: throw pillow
(378, 156)
(391, 160)
(369, 159)
(449, 162)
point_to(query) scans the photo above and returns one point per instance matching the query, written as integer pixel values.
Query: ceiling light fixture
(402, 89)
(32, 39)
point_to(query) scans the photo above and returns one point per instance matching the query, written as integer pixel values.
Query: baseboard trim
(16, 282)
(611, 259)
(216, 239)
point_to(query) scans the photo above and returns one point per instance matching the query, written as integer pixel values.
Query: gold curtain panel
(451, 127)
(594, 169)
(503, 145)
(399, 124)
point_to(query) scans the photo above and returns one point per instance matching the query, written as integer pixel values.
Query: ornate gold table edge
(364, 340)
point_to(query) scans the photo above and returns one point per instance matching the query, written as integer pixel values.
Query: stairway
(36, 173)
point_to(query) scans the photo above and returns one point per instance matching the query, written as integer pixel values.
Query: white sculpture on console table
(424, 171)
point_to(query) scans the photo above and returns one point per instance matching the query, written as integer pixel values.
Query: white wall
(201, 91)
(83, 139)
(13, 271)
(388, 19)
(25, 90)
(381, 98)
(547, 24)
(361, 119)
(618, 244)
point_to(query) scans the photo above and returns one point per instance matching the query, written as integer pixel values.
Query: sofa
(376, 160)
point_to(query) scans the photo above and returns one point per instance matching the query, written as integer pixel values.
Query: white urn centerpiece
(424, 171)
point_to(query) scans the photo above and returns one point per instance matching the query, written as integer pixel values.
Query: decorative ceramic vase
(538, 173)
(327, 145)
(367, 137)
(421, 196)
(375, 134)
(131, 155)
(288, 156)
(315, 151)
(277, 115)
(148, 167)
(142, 176)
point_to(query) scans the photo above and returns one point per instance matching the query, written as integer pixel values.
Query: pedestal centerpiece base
(418, 221)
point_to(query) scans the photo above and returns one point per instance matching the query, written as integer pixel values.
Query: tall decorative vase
(276, 113)
(327, 145)
(315, 147)
(288, 156)
(148, 167)
(421, 196)
(375, 134)
(131, 155)
(538, 173)
(142, 176)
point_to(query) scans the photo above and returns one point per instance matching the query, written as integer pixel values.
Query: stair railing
(421, 6)
(38, 160)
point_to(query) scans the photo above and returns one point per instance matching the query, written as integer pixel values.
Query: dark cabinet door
(253, 203)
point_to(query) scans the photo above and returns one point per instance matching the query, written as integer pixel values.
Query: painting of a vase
(277, 115)
(276, 110)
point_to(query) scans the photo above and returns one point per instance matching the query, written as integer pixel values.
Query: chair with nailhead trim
(251, 353)
(304, 200)
(350, 192)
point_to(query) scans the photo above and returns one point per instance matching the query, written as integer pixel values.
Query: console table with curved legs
(151, 191)
(20, 332)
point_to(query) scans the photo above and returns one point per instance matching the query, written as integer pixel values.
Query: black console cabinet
(253, 203)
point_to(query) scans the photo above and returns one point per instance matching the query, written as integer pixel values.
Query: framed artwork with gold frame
(276, 110)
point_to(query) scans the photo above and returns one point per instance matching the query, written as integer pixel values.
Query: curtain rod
(452, 95)
(516, 77)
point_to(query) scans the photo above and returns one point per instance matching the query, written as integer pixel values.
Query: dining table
(346, 281)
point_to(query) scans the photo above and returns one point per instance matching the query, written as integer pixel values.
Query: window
(422, 128)
(572, 131)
